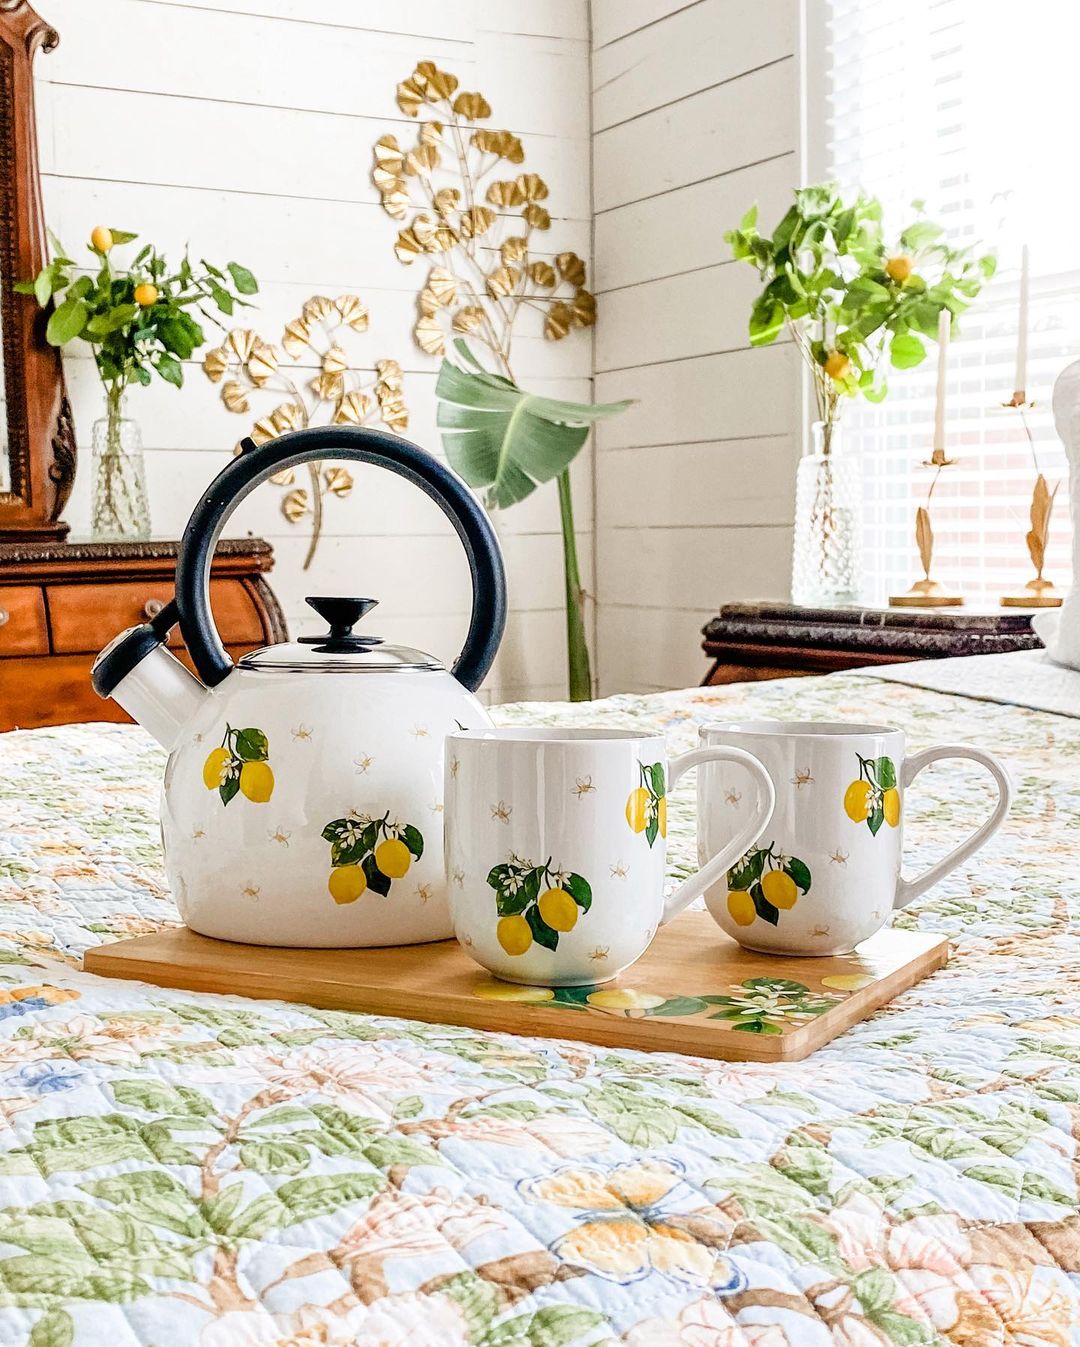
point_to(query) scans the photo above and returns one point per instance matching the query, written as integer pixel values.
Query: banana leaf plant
(507, 442)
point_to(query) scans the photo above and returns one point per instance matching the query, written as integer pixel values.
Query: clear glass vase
(119, 510)
(827, 559)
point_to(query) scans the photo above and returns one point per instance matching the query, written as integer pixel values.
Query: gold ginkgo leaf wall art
(478, 222)
(312, 381)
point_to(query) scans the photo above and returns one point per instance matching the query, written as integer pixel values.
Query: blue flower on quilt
(16, 1008)
(632, 1223)
(48, 1077)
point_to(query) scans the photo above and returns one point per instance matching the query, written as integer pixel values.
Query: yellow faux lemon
(347, 883)
(636, 807)
(857, 801)
(898, 268)
(741, 907)
(146, 295)
(891, 806)
(211, 772)
(393, 858)
(558, 909)
(257, 781)
(624, 998)
(101, 238)
(513, 934)
(779, 889)
(661, 815)
(837, 365)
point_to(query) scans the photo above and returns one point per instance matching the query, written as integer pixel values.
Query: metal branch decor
(339, 394)
(480, 226)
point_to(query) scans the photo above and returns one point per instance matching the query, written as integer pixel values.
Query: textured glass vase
(119, 510)
(827, 561)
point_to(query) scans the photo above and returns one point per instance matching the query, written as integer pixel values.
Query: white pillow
(1059, 629)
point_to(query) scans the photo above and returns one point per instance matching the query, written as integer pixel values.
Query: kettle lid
(340, 650)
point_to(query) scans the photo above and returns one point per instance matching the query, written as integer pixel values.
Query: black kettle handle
(258, 462)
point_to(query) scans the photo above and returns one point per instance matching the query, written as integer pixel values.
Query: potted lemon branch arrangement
(480, 224)
(853, 300)
(138, 322)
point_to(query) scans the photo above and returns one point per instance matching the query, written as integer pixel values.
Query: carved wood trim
(40, 428)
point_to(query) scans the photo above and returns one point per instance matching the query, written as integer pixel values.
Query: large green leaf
(500, 437)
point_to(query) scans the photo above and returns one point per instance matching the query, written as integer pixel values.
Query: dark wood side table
(60, 603)
(751, 641)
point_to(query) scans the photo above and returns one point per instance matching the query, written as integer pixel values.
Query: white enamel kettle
(302, 802)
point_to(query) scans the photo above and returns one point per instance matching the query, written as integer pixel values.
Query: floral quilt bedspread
(182, 1169)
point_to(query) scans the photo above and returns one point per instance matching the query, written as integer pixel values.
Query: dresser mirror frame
(39, 455)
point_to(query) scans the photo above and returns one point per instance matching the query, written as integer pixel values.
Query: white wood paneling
(683, 230)
(703, 45)
(744, 121)
(245, 127)
(695, 117)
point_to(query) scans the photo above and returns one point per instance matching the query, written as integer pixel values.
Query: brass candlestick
(1038, 592)
(928, 592)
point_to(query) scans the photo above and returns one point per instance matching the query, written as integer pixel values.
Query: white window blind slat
(971, 106)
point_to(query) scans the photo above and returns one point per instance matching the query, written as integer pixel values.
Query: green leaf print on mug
(369, 853)
(240, 766)
(646, 805)
(763, 883)
(873, 799)
(536, 903)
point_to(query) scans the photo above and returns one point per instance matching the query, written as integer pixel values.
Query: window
(970, 105)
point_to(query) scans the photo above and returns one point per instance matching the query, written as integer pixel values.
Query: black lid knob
(342, 614)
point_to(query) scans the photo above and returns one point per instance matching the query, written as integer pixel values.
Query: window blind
(970, 106)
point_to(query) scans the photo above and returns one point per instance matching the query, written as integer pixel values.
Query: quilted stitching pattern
(206, 1170)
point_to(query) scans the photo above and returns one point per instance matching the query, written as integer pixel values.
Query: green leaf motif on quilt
(53, 1329)
(300, 1200)
(634, 1118)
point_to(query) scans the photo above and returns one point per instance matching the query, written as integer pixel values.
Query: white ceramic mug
(556, 843)
(826, 873)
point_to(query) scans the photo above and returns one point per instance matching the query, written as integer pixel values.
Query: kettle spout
(141, 675)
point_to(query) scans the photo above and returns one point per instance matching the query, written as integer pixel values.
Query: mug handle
(713, 868)
(907, 889)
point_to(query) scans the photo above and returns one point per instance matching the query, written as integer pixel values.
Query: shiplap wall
(695, 116)
(246, 127)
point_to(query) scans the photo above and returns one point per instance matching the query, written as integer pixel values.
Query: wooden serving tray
(694, 990)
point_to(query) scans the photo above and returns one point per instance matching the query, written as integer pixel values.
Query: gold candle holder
(928, 592)
(1038, 592)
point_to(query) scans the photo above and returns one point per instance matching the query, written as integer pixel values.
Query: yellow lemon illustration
(779, 889)
(393, 858)
(741, 907)
(513, 934)
(146, 295)
(347, 883)
(847, 982)
(101, 238)
(211, 772)
(857, 801)
(661, 815)
(512, 991)
(837, 365)
(891, 806)
(624, 998)
(898, 268)
(257, 781)
(558, 909)
(636, 806)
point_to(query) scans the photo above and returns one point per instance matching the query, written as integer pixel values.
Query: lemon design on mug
(369, 853)
(765, 883)
(873, 798)
(646, 805)
(536, 903)
(240, 766)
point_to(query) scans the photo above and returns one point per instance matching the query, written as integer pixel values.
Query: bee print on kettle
(646, 805)
(240, 766)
